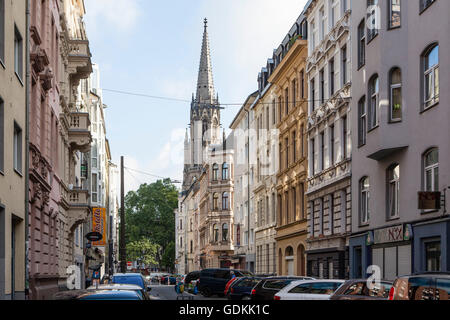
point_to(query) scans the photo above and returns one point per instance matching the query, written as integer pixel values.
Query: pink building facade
(44, 186)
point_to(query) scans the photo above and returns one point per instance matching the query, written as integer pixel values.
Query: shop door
(290, 267)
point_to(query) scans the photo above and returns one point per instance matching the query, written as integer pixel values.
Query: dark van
(213, 281)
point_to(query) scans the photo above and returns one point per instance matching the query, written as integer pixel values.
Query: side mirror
(149, 289)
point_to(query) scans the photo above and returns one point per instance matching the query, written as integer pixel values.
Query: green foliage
(149, 214)
(168, 257)
(143, 250)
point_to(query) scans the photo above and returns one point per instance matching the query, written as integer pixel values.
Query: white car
(309, 290)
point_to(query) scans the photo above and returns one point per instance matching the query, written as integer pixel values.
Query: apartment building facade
(13, 129)
(244, 223)
(400, 136)
(290, 115)
(329, 156)
(263, 150)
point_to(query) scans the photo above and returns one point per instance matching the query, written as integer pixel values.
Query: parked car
(425, 286)
(358, 290)
(228, 285)
(241, 289)
(194, 275)
(116, 286)
(213, 281)
(268, 287)
(130, 278)
(111, 295)
(309, 290)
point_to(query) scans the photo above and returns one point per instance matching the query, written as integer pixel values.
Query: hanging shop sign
(94, 236)
(99, 225)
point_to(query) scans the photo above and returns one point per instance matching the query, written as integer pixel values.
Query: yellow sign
(99, 225)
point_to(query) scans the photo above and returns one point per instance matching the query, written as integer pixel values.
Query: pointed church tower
(205, 115)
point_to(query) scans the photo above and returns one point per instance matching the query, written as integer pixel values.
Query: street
(165, 292)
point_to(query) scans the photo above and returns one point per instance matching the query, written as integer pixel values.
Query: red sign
(129, 263)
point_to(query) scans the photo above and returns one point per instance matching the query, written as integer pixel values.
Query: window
(344, 63)
(331, 218)
(313, 94)
(396, 95)
(216, 233)
(361, 44)
(372, 19)
(294, 92)
(225, 232)
(286, 101)
(302, 83)
(394, 14)
(332, 73)
(2, 134)
(225, 201)
(286, 143)
(225, 171)
(215, 172)
(332, 7)
(364, 200)
(192, 247)
(302, 288)
(322, 24)
(181, 224)
(294, 147)
(273, 111)
(18, 54)
(362, 122)
(2, 31)
(373, 101)
(238, 235)
(332, 142)
(433, 256)
(393, 191)
(17, 148)
(424, 4)
(431, 168)
(313, 157)
(344, 138)
(322, 86)
(313, 36)
(94, 192)
(302, 140)
(431, 76)
(322, 151)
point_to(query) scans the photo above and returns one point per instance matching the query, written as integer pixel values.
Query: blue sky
(153, 47)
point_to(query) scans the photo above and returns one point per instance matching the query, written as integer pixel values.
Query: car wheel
(246, 298)
(206, 292)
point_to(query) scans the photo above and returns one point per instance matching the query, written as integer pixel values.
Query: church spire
(205, 84)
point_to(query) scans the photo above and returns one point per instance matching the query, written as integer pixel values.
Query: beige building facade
(288, 80)
(13, 128)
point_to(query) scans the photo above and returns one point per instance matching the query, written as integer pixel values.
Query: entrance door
(357, 263)
(290, 266)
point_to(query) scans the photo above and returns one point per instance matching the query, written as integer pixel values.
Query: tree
(143, 250)
(150, 214)
(168, 258)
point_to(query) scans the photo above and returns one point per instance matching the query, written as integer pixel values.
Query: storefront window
(433, 256)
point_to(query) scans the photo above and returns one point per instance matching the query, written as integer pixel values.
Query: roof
(116, 286)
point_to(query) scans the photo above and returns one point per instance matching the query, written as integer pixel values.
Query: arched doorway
(301, 260)
(289, 258)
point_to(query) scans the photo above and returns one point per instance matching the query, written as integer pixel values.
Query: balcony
(79, 209)
(80, 64)
(80, 137)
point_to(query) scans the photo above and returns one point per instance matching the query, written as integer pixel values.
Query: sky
(153, 48)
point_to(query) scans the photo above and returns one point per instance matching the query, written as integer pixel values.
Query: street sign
(94, 236)
(429, 200)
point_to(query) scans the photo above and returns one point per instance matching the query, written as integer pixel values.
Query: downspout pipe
(27, 148)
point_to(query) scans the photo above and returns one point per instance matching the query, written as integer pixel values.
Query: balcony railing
(79, 134)
(80, 58)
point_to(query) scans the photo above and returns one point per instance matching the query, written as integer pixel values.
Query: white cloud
(121, 15)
